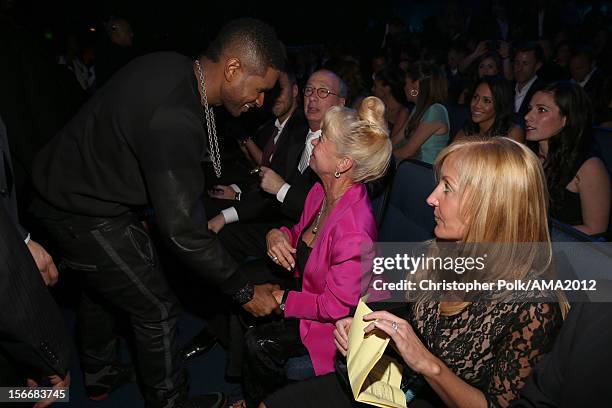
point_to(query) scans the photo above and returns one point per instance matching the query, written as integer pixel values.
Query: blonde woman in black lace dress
(464, 354)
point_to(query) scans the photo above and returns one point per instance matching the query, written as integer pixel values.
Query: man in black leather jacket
(140, 141)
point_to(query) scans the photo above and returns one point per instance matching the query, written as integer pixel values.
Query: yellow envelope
(375, 378)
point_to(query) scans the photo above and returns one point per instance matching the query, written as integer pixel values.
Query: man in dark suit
(585, 73)
(528, 60)
(34, 343)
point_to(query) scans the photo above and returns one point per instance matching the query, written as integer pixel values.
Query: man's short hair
(531, 47)
(253, 41)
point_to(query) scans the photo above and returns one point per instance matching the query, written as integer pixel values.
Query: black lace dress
(492, 347)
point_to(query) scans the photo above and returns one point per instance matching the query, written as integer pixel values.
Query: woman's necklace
(315, 228)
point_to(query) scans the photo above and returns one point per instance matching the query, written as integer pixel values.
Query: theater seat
(458, 115)
(602, 148)
(407, 217)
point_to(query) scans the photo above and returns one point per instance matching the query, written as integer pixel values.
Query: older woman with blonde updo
(324, 248)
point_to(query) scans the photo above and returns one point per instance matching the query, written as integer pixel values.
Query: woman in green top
(427, 130)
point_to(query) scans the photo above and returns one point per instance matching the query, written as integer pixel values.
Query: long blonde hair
(503, 200)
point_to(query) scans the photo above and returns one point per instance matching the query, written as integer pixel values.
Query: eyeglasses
(321, 92)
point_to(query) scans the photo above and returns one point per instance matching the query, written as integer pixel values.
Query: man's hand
(44, 262)
(271, 182)
(222, 192)
(263, 302)
(57, 383)
(216, 223)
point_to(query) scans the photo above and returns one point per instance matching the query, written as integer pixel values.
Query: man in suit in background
(34, 342)
(528, 59)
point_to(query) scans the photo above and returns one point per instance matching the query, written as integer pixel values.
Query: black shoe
(213, 400)
(100, 383)
(200, 344)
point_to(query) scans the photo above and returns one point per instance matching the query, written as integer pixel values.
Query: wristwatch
(237, 196)
(284, 300)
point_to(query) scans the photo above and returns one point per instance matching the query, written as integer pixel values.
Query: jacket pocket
(142, 243)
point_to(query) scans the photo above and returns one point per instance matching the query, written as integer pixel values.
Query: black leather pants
(120, 272)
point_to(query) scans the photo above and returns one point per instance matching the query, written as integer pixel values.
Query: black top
(147, 120)
(490, 346)
(302, 255)
(139, 142)
(569, 210)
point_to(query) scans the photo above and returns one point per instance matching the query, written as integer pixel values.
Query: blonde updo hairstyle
(362, 136)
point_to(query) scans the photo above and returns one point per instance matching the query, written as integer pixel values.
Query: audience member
(325, 247)
(135, 145)
(491, 111)
(559, 119)
(494, 181)
(34, 341)
(584, 72)
(427, 130)
(389, 87)
(115, 50)
(528, 60)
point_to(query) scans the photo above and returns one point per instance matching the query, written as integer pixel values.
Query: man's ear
(232, 68)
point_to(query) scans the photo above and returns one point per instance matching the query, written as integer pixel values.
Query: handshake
(265, 301)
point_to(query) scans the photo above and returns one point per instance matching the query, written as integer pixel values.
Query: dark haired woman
(427, 130)
(389, 86)
(559, 119)
(491, 111)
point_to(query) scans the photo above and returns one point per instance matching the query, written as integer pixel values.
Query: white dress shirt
(519, 95)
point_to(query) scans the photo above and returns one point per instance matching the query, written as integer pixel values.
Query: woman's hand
(407, 343)
(341, 334)
(279, 249)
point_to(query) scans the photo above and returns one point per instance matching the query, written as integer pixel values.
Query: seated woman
(389, 86)
(492, 111)
(427, 130)
(325, 247)
(463, 354)
(559, 119)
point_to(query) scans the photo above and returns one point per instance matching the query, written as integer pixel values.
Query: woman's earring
(414, 92)
(337, 174)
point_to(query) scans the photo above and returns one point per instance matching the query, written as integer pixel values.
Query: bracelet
(244, 295)
(284, 300)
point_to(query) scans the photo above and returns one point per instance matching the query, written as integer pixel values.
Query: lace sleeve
(530, 335)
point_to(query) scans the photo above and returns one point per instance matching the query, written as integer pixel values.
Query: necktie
(269, 148)
(305, 159)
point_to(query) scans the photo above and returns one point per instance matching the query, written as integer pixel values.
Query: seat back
(407, 217)
(602, 148)
(457, 115)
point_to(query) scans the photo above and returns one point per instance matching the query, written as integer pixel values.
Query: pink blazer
(331, 282)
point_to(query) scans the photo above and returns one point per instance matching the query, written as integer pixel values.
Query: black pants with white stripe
(121, 274)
